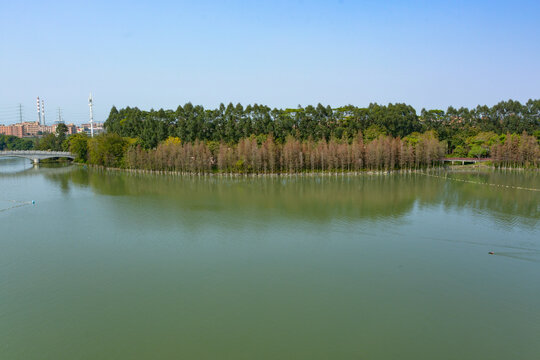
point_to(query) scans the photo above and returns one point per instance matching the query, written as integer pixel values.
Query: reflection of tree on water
(18, 168)
(322, 198)
(58, 173)
(314, 197)
(13, 165)
(38, 170)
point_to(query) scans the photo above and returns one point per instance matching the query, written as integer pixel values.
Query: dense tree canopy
(8, 142)
(234, 122)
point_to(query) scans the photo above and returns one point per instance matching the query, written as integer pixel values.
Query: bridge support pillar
(35, 161)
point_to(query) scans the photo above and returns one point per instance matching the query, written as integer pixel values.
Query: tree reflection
(322, 198)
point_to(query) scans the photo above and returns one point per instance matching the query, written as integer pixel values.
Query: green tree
(107, 150)
(78, 145)
(459, 151)
(61, 130)
(478, 151)
(374, 132)
(49, 142)
(8, 142)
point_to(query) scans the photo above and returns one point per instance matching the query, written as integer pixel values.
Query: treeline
(516, 151)
(8, 142)
(231, 123)
(250, 155)
(257, 139)
(263, 154)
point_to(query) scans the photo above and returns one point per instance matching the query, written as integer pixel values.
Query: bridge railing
(36, 152)
(466, 159)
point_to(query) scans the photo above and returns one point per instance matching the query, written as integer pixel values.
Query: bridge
(463, 161)
(37, 156)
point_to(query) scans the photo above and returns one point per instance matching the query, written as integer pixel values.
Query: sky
(160, 54)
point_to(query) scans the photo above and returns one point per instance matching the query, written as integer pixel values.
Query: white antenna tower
(91, 116)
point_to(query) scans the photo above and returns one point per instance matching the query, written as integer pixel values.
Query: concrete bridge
(36, 156)
(464, 161)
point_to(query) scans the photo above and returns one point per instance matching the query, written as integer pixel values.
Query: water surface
(108, 265)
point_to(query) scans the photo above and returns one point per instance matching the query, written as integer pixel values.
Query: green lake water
(109, 265)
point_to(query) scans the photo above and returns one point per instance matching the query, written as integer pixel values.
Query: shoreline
(305, 173)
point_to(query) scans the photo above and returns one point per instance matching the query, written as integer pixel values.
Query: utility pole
(20, 113)
(90, 100)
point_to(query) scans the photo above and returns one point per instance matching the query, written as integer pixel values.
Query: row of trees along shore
(258, 155)
(258, 139)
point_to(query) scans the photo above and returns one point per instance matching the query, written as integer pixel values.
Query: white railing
(35, 152)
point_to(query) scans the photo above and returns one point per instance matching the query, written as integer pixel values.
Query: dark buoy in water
(33, 202)
(491, 253)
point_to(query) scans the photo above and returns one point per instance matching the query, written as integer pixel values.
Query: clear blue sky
(281, 53)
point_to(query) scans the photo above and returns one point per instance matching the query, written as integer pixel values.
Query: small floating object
(33, 202)
(491, 253)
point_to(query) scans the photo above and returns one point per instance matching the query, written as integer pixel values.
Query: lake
(112, 265)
